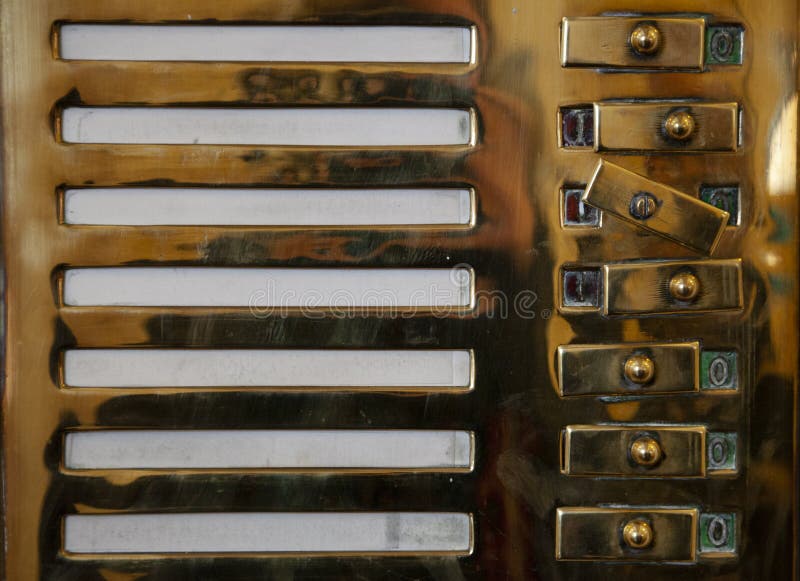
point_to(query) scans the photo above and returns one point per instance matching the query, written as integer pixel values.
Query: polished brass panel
(517, 245)
(666, 126)
(656, 207)
(592, 370)
(606, 534)
(653, 288)
(609, 41)
(610, 451)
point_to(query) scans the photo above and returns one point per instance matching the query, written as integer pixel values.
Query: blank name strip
(316, 126)
(266, 43)
(430, 370)
(413, 450)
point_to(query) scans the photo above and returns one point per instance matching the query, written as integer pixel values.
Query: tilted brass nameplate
(666, 126)
(628, 369)
(626, 534)
(637, 43)
(656, 207)
(637, 451)
(672, 287)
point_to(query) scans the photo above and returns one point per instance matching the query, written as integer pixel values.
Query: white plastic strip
(264, 289)
(266, 207)
(215, 43)
(268, 449)
(328, 532)
(346, 127)
(333, 368)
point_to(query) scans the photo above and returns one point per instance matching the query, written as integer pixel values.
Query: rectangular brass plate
(679, 217)
(639, 126)
(596, 533)
(605, 451)
(643, 289)
(604, 41)
(592, 370)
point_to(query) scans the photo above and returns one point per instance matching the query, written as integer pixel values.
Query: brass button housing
(637, 534)
(639, 369)
(645, 39)
(679, 125)
(684, 286)
(646, 451)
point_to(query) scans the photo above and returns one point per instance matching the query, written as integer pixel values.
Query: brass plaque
(598, 534)
(636, 451)
(649, 288)
(605, 41)
(645, 126)
(592, 370)
(656, 207)
(283, 288)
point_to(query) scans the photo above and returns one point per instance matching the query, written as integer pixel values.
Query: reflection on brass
(684, 286)
(639, 369)
(637, 534)
(645, 39)
(666, 126)
(626, 534)
(628, 369)
(656, 207)
(634, 451)
(631, 43)
(646, 451)
(646, 288)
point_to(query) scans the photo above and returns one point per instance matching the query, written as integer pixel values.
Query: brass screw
(684, 286)
(679, 125)
(643, 206)
(646, 451)
(639, 369)
(645, 39)
(637, 534)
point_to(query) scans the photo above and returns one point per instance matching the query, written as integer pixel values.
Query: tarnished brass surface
(613, 41)
(675, 126)
(675, 215)
(517, 246)
(603, 369)
(641, 451)
(626, 534)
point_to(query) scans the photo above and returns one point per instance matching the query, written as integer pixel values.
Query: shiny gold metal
(628, 369)
(639, 369)
(645, 39)
(684, 286)
(652, 288)
(679, 125)
(633, 43)
(626, 534)
(646, 451)
(656, 207)
(666, 126)
(516, 85)
(637, 534)
(634, 451)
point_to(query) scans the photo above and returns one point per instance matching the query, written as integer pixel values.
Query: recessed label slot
(267, 207)
(441, 451)
(445, 370)
(254, 43)
(329, 532)
(319, 126)
(266, 289)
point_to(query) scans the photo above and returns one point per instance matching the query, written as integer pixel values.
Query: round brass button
(639, 369)
(637, 534)
(646, 451)
(679, 125)
(684, 286)
(645, 39)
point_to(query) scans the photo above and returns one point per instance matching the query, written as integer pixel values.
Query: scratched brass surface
(517, 246)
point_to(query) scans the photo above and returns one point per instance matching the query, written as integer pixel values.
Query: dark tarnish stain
(154, 183)
(63, 339)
